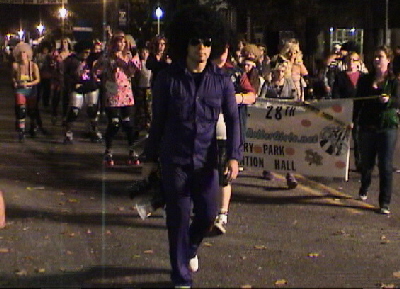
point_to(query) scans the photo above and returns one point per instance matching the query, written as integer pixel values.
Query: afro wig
(196, 21)
(82, 45)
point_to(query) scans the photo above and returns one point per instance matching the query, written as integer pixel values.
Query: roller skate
(108, 160)
(133, 159)
(69, 138)
(96, 137)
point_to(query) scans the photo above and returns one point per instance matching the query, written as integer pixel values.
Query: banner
(311, 139)
(34, 2)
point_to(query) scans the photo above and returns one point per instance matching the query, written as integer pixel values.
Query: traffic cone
(2, 211)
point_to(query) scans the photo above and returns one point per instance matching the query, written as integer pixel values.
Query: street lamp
(40, 28)
(63, 14)
(20, 34)
(159, 14)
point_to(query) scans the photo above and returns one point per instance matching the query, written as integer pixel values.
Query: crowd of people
(190, 92)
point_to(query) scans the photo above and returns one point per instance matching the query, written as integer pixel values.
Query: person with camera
(188, 97)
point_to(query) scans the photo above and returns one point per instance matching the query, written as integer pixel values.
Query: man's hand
(148, 168)
(232, 170)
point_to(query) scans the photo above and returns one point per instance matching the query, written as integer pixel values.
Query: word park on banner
(311, 139)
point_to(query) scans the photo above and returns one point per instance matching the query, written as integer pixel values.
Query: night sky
(12, 16)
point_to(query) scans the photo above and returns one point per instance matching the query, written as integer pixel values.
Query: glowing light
(40, 28)
(63, 12)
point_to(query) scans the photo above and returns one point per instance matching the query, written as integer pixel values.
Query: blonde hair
(291, 47)
(22, 46)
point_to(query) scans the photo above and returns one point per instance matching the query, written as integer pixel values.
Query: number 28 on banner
(278, 112)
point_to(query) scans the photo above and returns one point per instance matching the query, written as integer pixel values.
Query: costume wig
(82, 45)
(196, 21)
(22, 46)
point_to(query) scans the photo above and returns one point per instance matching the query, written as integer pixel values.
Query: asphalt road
(71, 224)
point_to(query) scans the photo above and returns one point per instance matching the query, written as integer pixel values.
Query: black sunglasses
(196, 41)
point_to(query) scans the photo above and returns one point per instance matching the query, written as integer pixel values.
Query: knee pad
(20, 111)
(115, 122)
(72, 114)
(92, 112)
(91, 98)
(76, 99)
(127, 125)
(113, 126)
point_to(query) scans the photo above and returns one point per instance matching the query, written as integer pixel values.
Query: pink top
(118, 88)
(119, 93)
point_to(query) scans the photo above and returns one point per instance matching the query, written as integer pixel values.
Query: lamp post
(20, 34)
(159, 14)
(63, 14)
(40, 28)
(386, 42)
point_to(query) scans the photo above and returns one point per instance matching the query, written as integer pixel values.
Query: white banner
(34, 2)
(310, 139)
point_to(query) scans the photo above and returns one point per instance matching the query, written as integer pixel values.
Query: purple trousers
(186, 188)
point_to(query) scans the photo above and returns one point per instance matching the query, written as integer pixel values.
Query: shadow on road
(94, 277)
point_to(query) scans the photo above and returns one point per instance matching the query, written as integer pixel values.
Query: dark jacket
(184, 118)
(372, 114)
(78, 72)
(343, 87)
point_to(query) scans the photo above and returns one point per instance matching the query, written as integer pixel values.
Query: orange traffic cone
(2, 211)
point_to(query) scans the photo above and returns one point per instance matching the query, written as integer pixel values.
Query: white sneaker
(220, 223)
(69, 137)
(144, 210)
(194, 264)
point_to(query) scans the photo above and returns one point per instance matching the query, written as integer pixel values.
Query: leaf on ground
(69, 252)
(396, 274)
(73, 201)
(136, 256)
(313, 255)
(341, 233)
(71, 235)
(92, 198)
(40, 270)
(89, 231)
(47, 237)
(246, 286)
(280, 282)
(383, 237)
(34, 188)
(207, 244)
(21, 272)
(260, 247)
(387, 286)
(108, 232)
(148, 252)
(61, 203)
(121, 209)
(4, 250)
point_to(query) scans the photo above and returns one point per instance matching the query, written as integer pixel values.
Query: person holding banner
(378, 122)
(345, 86)
(283, 87)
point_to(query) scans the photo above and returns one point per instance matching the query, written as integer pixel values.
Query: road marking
(315, 188)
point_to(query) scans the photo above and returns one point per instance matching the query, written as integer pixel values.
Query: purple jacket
(183, 126)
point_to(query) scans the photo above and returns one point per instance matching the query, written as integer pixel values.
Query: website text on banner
(311, 139)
